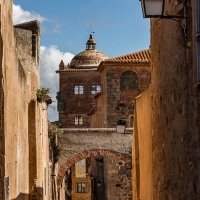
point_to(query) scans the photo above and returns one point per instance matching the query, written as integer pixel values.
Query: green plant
(43, 92)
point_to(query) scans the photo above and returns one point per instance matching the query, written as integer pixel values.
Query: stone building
(122, 79)
(166, 143)
(23, 127)
(95, 92)
(79, 81)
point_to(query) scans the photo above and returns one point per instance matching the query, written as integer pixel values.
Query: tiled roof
(92, 111)
(138, 57)
(68, 69)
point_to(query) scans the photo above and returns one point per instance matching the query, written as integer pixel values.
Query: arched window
(78, 89)
(128, 81)
(95, 89)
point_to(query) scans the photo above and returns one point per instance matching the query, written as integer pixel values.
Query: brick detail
(87, 154)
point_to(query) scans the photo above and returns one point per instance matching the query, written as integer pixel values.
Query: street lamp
(91, 177)
(156, 9)
(152, 8)
(121, 125)
(99, 183)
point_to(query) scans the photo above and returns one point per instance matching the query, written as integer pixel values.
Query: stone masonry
(115, 102)
(94, 142)
(173, 111)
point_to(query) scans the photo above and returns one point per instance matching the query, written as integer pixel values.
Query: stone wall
(175, 132)
(119, 104)
(118, 179)
(173, 93)
(76, 147)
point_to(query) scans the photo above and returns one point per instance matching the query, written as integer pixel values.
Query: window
(95, 89)
(78, 89)
(198, 36)
(129, 81)
(90, 46)
(78, 120)
(81, 187)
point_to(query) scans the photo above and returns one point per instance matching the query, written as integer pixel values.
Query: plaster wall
(142, 148)
(42, 147)
(19, 69)
(80, 196)
(15, 129)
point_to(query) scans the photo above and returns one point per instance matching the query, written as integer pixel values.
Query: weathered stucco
(22, 119)
(174, 110)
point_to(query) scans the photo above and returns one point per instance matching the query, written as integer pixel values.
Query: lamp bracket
(183, 25)
(177, 17)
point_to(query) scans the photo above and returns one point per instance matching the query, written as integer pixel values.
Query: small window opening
(34, 45)
(95, 89)
(78, 120)
(81, 187)
(78, 89)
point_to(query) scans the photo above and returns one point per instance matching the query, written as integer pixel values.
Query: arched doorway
(94, 182)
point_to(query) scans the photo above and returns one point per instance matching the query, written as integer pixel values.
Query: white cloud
(21, 16)
(50, 58)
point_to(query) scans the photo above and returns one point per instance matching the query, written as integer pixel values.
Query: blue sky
(65, 25)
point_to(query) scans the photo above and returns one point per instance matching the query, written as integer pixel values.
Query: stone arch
(87, 154)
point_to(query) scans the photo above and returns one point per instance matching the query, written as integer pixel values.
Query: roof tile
(136, 57)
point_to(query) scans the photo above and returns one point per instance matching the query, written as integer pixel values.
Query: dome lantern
(91, 44)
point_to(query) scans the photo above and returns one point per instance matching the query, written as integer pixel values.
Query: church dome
(89, 58)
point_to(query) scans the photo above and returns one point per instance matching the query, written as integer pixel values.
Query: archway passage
(87, 154)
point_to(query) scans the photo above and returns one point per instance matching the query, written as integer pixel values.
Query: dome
(89, 58)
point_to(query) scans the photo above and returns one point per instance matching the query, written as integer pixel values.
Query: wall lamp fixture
(91, 177)
(157, 9)
(99, 183)
(121, 125)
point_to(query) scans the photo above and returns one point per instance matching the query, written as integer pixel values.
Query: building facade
(122, 79)
(166, 142)
(23, 129)
(79, 81)
(95, 92)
